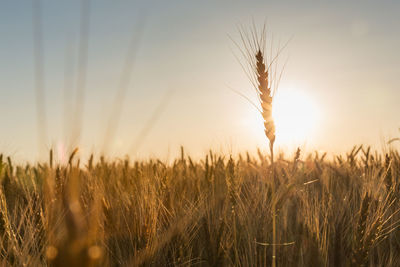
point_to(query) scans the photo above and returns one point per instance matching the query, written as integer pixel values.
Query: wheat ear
(265, 98)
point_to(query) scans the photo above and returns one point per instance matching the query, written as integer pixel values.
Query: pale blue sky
(342, 54)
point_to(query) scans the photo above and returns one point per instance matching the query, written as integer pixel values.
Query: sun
(296, 117)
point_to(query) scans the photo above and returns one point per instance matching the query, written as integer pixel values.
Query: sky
(341, 62)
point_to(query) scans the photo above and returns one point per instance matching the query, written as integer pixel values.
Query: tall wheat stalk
(269, 128)
(258, 71)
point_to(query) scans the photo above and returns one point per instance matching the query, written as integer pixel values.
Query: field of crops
(212, 212)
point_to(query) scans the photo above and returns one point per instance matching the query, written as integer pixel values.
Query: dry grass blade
(123, 85)
(82, 70)
(39, 75)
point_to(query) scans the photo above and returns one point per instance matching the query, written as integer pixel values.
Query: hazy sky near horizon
(342, 55)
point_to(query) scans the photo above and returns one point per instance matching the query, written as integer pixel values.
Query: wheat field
(269, 208)
(211, 212)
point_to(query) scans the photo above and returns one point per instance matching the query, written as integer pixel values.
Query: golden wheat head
(258, 71)
(265, 97)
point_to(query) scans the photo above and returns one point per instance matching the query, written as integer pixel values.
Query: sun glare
(295, 116)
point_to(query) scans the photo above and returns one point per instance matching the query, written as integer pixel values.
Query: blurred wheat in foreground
(212, 212)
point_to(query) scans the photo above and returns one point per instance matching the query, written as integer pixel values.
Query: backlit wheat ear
(258, 70)
(265, 98)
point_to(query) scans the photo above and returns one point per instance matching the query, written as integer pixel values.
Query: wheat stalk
(269, 128)
(258, 71)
